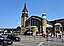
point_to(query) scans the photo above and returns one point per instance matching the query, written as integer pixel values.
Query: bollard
(48, 43)
(25, 37)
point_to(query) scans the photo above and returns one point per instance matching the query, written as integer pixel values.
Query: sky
(11, 10)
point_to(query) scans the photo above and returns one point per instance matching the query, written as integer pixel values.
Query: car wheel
(14, 40)
(10, 43)
(17, 39)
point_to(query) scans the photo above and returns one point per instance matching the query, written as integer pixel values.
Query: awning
(48, 25)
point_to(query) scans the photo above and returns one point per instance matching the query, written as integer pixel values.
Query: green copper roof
(62, 24)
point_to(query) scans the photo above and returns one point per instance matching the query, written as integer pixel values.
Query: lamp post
(30, 29)
(62, 35)
(47, 36)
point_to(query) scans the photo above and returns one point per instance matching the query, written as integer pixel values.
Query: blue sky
(11, 10)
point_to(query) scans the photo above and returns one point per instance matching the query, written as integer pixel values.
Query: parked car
(5, 41)
(13, 37)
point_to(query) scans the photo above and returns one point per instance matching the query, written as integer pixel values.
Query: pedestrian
(52, 37)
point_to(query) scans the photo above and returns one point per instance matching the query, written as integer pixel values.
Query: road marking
(40, 43)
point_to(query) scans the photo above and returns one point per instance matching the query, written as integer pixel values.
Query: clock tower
(24, 16)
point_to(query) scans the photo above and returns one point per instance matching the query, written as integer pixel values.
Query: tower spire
(25, 9)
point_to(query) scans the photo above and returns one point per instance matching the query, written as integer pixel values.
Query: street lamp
(47, 35)
(62, 35)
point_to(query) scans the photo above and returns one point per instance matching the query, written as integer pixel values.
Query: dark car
(13, 37)
(5, 41)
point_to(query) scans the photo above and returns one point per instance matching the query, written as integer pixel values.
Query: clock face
(44, 16)
(24, 12)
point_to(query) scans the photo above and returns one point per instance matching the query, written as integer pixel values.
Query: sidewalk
(38, 40)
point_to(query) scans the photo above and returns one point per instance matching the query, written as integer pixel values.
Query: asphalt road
(35, 41)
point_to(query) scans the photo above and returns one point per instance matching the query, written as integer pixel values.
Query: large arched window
(34, 21)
